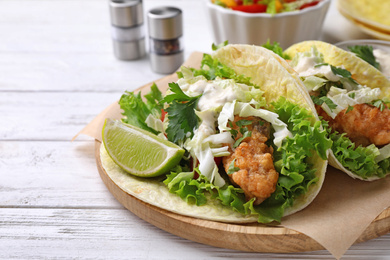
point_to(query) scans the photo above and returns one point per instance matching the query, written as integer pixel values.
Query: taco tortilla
(255, 150)
(352, 96)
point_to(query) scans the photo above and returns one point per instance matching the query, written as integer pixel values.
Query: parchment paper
(343, 209)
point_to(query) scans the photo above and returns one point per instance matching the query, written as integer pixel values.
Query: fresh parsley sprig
(343, 73)
(181, 114)
(366, 53)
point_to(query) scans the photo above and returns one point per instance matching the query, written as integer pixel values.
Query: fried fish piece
(364, 124)
(256, 175)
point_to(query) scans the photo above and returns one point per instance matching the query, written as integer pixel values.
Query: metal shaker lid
(126, 13)
(165, 23)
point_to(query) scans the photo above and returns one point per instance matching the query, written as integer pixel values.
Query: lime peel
(138, 151)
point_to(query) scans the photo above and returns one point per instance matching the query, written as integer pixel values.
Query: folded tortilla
(266, 71)
(362, 72)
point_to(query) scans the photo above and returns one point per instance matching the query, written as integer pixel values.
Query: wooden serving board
(246, 237)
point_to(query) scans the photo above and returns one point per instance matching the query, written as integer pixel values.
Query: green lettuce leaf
(136, 110)
(212, 68)
(359, 160)
(275, 47)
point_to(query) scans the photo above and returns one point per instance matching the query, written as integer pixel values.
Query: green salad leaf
(359, 160)
(215, 47)
(212, 68)
(136, 110)
(271, 6)
(275, 47)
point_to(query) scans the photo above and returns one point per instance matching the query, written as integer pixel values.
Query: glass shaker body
(165, 39)
(127, 29)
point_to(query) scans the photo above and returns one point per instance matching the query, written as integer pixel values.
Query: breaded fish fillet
(364, 124)
(256, 175)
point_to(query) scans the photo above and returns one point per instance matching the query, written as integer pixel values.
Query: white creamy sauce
(306, 67)
(207, 126)
(383, 58)
(215, 94)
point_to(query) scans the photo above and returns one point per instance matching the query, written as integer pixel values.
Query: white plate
(359, 18)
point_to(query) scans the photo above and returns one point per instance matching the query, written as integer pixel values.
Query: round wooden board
(246, 237)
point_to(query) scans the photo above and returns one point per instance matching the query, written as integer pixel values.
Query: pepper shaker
(165, 39)
(127, 29)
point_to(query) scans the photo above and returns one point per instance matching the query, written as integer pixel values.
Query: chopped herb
(233, 132)
(349, 109)
(245, 133)
(352, 95)
(366, 53)
(379, 103)
(232, 169)
(324, 99)
(243, 122)
(321, 64)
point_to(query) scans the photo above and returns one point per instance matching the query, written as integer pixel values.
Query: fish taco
(352, 96)
(255, 150)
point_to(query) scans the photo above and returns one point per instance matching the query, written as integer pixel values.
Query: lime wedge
(139, 152)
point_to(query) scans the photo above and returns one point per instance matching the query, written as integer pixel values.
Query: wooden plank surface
(32, 233)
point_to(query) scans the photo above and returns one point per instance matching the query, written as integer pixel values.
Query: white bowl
(286, 28)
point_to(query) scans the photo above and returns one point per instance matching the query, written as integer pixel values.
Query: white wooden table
(57, 72)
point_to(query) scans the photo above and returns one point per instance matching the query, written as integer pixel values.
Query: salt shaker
(165, 39)
(127, 29)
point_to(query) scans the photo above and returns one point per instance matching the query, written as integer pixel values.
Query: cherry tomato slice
(309, 5)
(163, 113)
(254, 8)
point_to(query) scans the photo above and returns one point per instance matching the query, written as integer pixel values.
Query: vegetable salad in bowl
(255, 22)
(266, 6)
